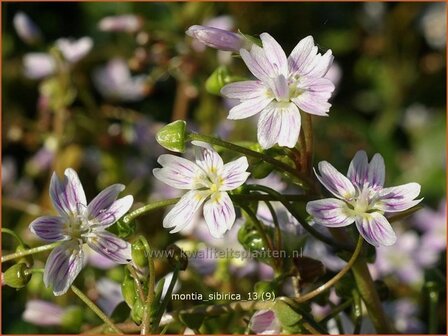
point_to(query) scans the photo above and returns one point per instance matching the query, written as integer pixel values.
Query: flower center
(76, 227)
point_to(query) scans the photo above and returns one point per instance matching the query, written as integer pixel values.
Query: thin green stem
(30, 251)
(146, 323)
(357, 312)
(336, 310)
(306, 181)
(33, 270)
(138, 285)
(433, 295)
(278, 231)
(297, 216)
(307, 127)
(96, 310)
(148, 208)
(12, 233)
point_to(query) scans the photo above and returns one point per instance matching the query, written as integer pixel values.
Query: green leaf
(286, 315)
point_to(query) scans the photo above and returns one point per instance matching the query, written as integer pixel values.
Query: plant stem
(278, 231)
(30, 251)
(96, 310)
(12, 233)
(138, 285)
(297, 216)
(305, 180)
(148, 208)
(336, 310)
(308, 135)
(146, 323)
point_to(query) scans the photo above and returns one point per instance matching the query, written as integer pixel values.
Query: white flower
(74, 50)
(208, 180)
(283, 87)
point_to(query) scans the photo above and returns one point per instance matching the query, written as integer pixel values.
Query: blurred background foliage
(390, 98)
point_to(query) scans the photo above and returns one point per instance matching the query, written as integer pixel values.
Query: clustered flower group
(284, 88)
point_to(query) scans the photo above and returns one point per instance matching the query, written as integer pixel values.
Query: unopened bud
(173, 136)
(137, 311)
(217, 38)
(138, 253)
(17, 276)
(128, 289)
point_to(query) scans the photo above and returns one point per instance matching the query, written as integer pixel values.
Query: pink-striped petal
(176, 171)
(49, 228)
(377, 171)
(248, 108)
(109, 216)
(67, 195)
(302, 55)
(400, 198)
(258, 64)
(312, 103)
(244, 90)
(182, 214)
(359, 169)
(264, 322)
(275, 54)
(219, 214)
(104, 200)
(335, 182)
(279, 123)
(330, 212)
(375, 229)
(63, 266)
(207, 158)
(110, 246)
(234, 174)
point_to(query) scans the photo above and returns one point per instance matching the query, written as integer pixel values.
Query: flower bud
(172, 136)
(16, 276)
(128, 289)
(177, 257)
(137, 311)
(28, 260)
(265, 322)
(217, 38)
(217, 80)
(138, 253)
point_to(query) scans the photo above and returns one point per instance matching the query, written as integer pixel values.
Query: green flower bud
(128, 289)
(28, 260)
(173, 136)
(177, 257)
(217, 80)
(16, 276)
(137, 311)
(72, 319)
(138, 253)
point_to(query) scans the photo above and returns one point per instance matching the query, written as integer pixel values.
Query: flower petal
(275, 54)
(330, 212)
(264, 322)
(104, 200)
(375, 229)
(302, 55)
(219, 214)
(63, 265)
(109, 216)
(279, 123)
(248, 108)
(234, 174)
(177, 172)
(68, 195)
(243, 90)
(377, 171)
(182, 214)
(207, 158)
(358, 169)
(258, 64)
(49, 228)
(400, 198)
(334, 181)
(312, 103)
(110, 246)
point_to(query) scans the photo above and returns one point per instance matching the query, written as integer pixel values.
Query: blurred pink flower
(38, 65)
(27, 30)
(74, 50)
(43, 313)
(121, 23)
(114, 81)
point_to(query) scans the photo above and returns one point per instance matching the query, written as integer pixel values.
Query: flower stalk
(96, 310)
(30, 251)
